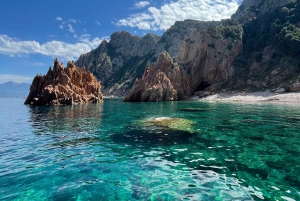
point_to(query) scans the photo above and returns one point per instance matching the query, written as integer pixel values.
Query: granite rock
(64, 86)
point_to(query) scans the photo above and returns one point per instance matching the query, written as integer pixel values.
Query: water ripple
(97, 152)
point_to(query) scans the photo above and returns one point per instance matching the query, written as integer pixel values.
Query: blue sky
(34, 32)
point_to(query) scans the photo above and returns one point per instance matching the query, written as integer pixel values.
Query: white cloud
(61, 26)
(70, 28)
(141, 4)
(67, 51)
(15, 78)
(97, 22)
(58, 18)
(165, 16)
(72, 21)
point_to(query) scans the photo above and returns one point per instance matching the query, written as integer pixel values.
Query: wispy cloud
(97, 22)
(35, 64)
(67, 24)
(141, 4)
(15, 78)
(67, 51)
(72, 21)
(162, 18)
(70, 28)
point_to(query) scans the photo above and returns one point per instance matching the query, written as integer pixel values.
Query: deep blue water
(104, 152)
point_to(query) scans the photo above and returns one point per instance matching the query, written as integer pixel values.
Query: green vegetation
(234, 32)
(277, 28)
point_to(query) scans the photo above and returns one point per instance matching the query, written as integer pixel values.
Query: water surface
(101, 152)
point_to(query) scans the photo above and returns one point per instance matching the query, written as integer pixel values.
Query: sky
(34, 32)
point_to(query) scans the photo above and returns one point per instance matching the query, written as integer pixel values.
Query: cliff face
(257, 49)
(64, 86)
(250, 9)
(120, 61)
(270, 56)
(203, 59)
(207, 54)
(161, 81)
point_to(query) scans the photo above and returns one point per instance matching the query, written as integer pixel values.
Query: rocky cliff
(64, 86)
(161, 81)
(269, 59)
(203, 59)
(250, 9)
(120, 61)
(257, 49)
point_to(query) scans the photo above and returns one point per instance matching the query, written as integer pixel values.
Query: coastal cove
(117, 151)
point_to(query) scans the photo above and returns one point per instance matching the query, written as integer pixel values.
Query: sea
(171, 151)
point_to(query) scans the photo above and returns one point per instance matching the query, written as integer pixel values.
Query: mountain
(257, 49)
(14, 90)
(120, 61)
(270, 55)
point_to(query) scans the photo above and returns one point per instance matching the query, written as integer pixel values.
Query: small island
(64, 86)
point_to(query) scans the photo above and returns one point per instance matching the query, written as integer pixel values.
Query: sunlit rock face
(64, 86)
(256, 49)
(203, 59)
(161, 82)
(118, 62)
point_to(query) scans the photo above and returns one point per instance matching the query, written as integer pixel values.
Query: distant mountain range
(14, 90)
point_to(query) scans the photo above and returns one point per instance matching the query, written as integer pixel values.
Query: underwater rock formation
(167, 123)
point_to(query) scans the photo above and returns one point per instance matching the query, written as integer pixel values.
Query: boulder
(295, 87)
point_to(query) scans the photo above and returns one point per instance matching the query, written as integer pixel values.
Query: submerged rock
(193, 110)
(167, 123)
(64, 86)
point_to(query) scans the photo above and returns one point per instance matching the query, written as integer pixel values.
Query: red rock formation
(64, 86)
(161, 82)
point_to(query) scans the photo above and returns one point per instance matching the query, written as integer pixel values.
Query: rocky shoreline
(253, 97)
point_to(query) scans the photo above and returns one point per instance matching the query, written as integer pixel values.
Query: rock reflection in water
(67, 125)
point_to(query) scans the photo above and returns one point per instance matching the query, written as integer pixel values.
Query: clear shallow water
(98, 152)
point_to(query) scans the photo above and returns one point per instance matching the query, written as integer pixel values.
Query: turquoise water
(101, 152)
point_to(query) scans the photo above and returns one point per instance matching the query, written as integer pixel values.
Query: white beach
(257, 97)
